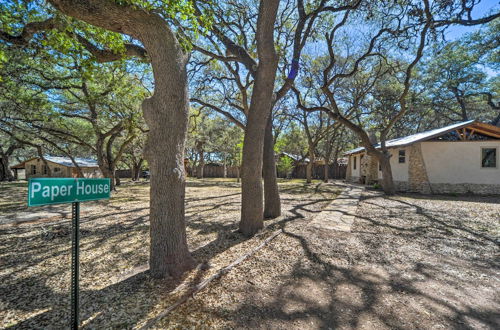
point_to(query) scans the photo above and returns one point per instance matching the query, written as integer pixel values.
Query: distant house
(61, 167)
(460, 158)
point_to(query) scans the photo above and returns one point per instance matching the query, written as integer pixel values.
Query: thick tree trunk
(387, 181)
(272, 203)
(118, 181)
(252, 210)
(5, 172)
(166, 114)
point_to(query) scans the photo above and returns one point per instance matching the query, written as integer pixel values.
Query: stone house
(60, 167)
(459, 158)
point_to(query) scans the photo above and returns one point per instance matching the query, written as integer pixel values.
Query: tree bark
(325, 171)
(5, 172)
(387, 181)
(201, 165)
(137, 169)
(309, 166)
(252, 210)
(224, 169)
(166, 114)
(272, 203)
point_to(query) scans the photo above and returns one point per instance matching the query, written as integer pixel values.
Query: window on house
(45, 169)
(489, 157)
(379, 166)
(33, 169)
(57, 169)
(402, 156)
(354, 162)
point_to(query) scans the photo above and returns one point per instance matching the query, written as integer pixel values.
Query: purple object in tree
(294, 69)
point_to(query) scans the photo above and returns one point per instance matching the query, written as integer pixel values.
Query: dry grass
(116, 292)
(409, 262)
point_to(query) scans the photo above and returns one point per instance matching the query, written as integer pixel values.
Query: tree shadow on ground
(127, 301)
(387, 284)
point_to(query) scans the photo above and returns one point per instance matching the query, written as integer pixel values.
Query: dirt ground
(409, 262)
(116, 291)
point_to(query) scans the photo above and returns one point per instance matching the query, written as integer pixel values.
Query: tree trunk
(201, 165)
(5, 172)
(309, 167)
(387, 181)
(166, 114)
(224, 169)
(137, 169)
(109, 174)
(252, 210)
(325, 171)
(272, 203)
(118, 181)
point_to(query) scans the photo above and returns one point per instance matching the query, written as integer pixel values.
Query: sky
(482, 9)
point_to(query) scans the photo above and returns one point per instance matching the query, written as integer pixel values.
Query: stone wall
(355, 179)
(418, 181)
(402, 186)
(369, 169)
(465, 188)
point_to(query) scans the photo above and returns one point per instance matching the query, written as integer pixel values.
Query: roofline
(468, 123)
(28, 160)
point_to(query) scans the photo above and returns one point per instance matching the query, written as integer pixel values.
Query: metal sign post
(75, 264)
(46, 191)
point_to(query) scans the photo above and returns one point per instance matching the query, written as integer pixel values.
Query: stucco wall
(355, 172)
(459, 162)
(399, 170)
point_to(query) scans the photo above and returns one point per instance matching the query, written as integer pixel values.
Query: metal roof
(407, 140)
(66, 161)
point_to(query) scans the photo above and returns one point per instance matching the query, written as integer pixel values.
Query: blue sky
(482, 9)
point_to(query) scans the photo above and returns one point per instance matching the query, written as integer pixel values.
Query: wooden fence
(337, 171)
(299, 171)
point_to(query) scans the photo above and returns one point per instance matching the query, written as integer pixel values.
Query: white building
(460, 158)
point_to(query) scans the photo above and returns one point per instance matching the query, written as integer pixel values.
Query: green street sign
(45, 191)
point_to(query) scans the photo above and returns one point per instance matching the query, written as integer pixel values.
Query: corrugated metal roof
(404, 141)
(66, 161)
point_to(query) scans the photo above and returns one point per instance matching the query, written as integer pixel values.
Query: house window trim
(399, 156)
(481, 157)
(354, 162)
(33, 169)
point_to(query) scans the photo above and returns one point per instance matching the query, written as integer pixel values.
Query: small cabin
(60, 167)
(460, 158)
